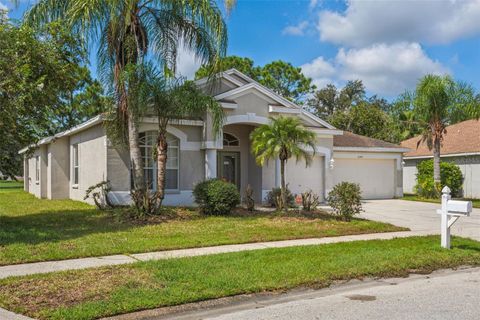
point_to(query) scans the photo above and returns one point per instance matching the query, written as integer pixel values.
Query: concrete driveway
(419, 216)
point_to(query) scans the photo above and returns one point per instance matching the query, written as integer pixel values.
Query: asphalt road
(442, 295)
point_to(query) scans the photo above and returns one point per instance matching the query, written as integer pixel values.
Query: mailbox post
(450, 212)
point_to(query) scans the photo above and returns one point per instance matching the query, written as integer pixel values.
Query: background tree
(328, 100)
(280, 76)
(283, 138)
(242, 64)
(128, 32)
(438, 102)
(286, 80)
(39, 71)
(366, 119)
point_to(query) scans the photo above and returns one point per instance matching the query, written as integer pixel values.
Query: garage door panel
(301, 178)
(375, 176)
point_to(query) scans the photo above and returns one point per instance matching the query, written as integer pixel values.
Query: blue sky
(387, 44)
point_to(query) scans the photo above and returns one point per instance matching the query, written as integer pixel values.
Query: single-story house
(65, 165)
(460, 145)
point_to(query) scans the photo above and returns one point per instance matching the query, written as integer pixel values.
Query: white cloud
(366, 22)
(187, 64)
(312, 4)
(320, 70)
(385, 69)
(3, 6)
(297, 30)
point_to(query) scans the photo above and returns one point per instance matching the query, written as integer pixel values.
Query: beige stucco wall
(39, 189)
(92, 158)
(301, 178)
(251, 103)
(469, 165)
(58, 171)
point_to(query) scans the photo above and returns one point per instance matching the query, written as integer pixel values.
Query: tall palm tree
(283, 138)
(129, 31)
(438, 102)
(175, 99)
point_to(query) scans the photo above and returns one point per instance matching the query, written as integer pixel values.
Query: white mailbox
(456, 207)
(450, 212)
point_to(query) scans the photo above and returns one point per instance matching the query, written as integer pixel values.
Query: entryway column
(278, 176)
(210, 163)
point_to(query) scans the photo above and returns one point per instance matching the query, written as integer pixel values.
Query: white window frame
(234, 143)
(75, 166)
(144, 145)
(37, 169)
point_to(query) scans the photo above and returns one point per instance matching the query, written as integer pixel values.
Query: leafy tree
(283, 138)
(366, 119)
(438, 102)
(328, 100)
(39, 70)
(280, 76)
(286, 80)
(128, 32)
(242, 64)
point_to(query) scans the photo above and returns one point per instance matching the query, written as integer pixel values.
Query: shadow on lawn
(47, 226)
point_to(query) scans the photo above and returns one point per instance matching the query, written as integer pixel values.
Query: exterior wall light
(332, 163)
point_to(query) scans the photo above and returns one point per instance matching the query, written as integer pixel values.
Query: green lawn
(414, 197)
(93, 293)
(34, 229)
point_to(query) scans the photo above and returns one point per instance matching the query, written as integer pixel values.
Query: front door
(228, 167)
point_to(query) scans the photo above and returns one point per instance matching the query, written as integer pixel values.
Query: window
(76, 166)
(230, 140)
(37, 169)
(147, 146)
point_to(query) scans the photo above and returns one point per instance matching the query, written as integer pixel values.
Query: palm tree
(438, 102)
(129, 31)
(283, 138)
(175, 99)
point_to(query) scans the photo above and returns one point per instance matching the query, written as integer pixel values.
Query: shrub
(216, 197)
(450, 175)
(345, 200)
(273, 198)
(310, 201)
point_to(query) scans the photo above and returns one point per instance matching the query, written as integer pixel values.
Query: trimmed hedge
(450, 175)
(216, 197)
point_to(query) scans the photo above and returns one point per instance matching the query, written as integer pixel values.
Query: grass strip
(93, 293)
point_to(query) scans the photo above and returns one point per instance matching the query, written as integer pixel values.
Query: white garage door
(301, 179)
(376, 177)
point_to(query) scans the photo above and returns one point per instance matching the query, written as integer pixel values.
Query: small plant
(99, 194)
(310, 201)
(249, 200)
(216, 197)
(450, 175)
(345, 200)
(274, 198)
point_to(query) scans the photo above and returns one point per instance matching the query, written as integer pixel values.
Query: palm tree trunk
(436, 162)
(136, 160)
(283, 190)
(162, 148)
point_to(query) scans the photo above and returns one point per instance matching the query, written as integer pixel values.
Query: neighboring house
(461, 145)
(65, 165)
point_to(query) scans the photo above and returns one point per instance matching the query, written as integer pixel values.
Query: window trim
(143, 146)
(75, 165)
(236, 141)
(37, 169)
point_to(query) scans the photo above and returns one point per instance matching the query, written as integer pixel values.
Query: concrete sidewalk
(75, 264)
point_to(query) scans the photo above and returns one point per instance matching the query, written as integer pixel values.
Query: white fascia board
(87, 124)
(240, 74)
(371, 149)
(324, 131)
(229, 105)
(280, 109)
(466, 154)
